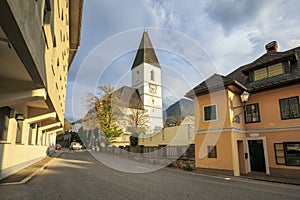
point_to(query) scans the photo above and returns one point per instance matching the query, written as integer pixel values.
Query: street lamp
(244, 98)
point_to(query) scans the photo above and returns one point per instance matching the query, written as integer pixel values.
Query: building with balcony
(38, 41)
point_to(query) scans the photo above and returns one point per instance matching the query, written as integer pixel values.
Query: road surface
(78, 175)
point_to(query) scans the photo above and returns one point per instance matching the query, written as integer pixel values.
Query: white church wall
(147, 74)
(137, 76)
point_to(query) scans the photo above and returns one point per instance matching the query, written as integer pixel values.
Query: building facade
(146, 78)
(261, 134)
(38, 41)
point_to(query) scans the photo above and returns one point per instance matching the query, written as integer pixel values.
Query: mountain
(178, 111)
(167, 101)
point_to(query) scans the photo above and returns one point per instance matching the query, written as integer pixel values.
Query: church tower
(146, 77)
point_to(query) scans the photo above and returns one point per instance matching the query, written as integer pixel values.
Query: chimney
(272, 46)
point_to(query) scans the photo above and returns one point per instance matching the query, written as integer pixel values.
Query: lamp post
(244, 98)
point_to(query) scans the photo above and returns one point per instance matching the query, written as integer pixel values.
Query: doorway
(257, 156)
(241, 153)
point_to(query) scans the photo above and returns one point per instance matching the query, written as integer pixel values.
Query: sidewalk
(23, 176)
(260, 176)
(272, 178)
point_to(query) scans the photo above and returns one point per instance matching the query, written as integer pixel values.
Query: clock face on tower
(152, 88)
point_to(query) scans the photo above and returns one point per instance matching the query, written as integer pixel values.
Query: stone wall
(158, 155)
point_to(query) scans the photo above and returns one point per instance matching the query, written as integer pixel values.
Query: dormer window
(267, 72)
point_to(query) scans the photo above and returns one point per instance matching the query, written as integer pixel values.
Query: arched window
(138, 75)
(152, 75)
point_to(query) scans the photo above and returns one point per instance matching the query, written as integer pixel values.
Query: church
(145, 92)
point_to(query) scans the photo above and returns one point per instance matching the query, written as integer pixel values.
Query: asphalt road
(78, 175)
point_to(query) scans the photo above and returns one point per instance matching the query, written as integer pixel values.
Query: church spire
(145, 53)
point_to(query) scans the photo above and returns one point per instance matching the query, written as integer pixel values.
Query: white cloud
(294, 43)
(232, 33)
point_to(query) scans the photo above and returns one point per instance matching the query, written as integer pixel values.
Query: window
(210, 112)
(292, 153)
(4, 118)
(275, 70)
(260, 74)
(279, 153)
(252, 113)
(289, 108)
(287, 153)
(138, 75)
(152, 75)
(266, 72)
(212, 151)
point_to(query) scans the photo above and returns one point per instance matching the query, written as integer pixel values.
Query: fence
(174, 156)
(162, 151)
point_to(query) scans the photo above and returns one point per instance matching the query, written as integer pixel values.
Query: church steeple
(145, 53)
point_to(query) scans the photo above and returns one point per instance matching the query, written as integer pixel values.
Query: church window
(138, 75)
(152, 75)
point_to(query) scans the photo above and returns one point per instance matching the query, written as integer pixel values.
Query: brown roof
(213, 83)
(242, 73)
(145, 53)
(240, 76)
(128, 97)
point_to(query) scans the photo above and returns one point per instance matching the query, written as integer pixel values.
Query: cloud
(230, 33)
(236, 13)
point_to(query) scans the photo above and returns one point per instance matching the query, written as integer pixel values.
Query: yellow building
(182, 135)
(38, 41)
(256, 134)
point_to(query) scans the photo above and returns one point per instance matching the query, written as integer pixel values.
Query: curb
(228, 177)
(37, 172)
(272, 181)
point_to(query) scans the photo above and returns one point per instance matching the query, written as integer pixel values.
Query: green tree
(107, 113)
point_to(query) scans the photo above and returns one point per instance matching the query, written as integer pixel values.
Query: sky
(193, 39)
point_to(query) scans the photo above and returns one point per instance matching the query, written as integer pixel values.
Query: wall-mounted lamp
(244, 98)
(19, 117)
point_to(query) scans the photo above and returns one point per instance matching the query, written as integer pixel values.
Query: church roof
(128, 97)
(145, 53)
